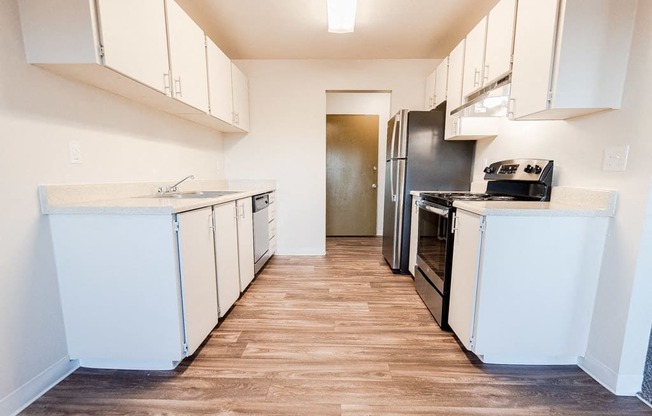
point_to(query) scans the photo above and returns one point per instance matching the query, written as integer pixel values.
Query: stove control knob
(537, 169)
(528, 169)
(489, 169)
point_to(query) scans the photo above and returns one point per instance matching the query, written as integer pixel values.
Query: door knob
(374, 168)
(374, 186)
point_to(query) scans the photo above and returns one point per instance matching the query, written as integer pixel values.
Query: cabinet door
(414, 235)
(226, 256)
(245, 242)
(473, 58)
(197, 265)
(187, 58)
(219, 82)
(464, 277)
(430, 90)
(134, 38)
(534, 47)
(240, 98)
(454, 85)
(441, 80)
(500, 41)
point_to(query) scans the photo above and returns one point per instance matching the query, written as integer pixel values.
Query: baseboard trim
(643, 400)
(618, 384)
(26, 394)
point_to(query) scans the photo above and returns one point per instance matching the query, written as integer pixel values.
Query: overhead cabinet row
(150, 51)
(564, 58)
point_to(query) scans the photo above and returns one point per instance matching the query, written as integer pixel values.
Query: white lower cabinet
(245, 242)
(197, 265)
(272, 223)
(137, 291)
(226, 256)
(523, 287)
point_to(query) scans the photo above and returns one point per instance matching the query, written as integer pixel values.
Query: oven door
(433, 247)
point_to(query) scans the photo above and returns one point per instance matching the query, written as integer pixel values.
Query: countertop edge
(140, 204)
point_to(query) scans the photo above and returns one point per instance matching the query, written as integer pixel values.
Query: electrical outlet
(615, 158)
(74, 150)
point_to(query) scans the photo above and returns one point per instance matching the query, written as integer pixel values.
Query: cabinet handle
(476, 78)
(167, 88)
(177, 87)
(211, 222)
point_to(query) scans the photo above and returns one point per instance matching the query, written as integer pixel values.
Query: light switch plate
(615, 158)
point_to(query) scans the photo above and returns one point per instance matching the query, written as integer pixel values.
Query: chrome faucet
(174, 188)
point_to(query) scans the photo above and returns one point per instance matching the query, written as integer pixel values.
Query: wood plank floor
(334, 335)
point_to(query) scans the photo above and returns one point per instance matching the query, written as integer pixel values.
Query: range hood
(490, 101)
(483, 112)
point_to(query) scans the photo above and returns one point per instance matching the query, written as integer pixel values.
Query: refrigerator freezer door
(392, 222)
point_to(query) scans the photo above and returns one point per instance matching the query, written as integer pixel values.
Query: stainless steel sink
(194, 194)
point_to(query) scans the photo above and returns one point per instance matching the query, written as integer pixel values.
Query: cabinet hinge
(454, 228)
(101, 50)
(550, 96)
(219, 311)
(483, 226)
(176, 226)
(471, 342)
(511, 59)
(185, 348)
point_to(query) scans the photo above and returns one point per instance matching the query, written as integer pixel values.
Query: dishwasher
(261, 231)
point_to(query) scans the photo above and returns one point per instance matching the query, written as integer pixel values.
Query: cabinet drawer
(272, 229)
(272, 245)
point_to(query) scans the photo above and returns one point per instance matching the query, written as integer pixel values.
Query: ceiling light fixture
(341, 15)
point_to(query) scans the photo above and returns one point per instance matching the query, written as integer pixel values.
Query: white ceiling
(297, 29)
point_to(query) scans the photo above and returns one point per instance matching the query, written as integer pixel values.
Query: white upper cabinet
(488, 55)
(133, 36)
(500, 41)
(455, 74)
(240, 98)
(219, 82)
(474, 58)
(441, 80)
(149, 51)
(430, 90)
(570, 57)
(187, 58)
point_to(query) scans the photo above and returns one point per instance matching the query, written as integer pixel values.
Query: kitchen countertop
(564, 202)
(140, 198)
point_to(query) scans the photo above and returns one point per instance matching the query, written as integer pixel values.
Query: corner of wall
(23, 396)
(617, 383)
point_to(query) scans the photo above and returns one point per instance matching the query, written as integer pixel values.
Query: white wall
(623, 311)
(377, 103)
(120, 141)
(287, 141)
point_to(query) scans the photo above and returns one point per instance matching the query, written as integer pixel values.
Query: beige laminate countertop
(140, 198)
(564, 202)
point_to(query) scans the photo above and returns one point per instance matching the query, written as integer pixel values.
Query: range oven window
(433, 234)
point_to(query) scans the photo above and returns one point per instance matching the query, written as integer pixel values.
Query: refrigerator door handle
(392, 151)
(391, 181)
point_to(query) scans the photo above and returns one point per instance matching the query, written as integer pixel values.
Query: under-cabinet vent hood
(490, 101)
(481, 115)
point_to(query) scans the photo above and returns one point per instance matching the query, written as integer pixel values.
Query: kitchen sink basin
(194, 194)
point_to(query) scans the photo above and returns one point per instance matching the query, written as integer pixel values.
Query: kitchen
(125, 142)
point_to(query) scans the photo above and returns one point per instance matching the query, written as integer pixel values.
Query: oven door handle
(434, 210)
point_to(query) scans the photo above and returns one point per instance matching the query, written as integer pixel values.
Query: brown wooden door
(351, 174)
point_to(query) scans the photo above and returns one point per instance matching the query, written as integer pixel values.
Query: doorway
(351, 174)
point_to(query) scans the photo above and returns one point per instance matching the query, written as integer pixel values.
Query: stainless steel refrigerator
(418, 158)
